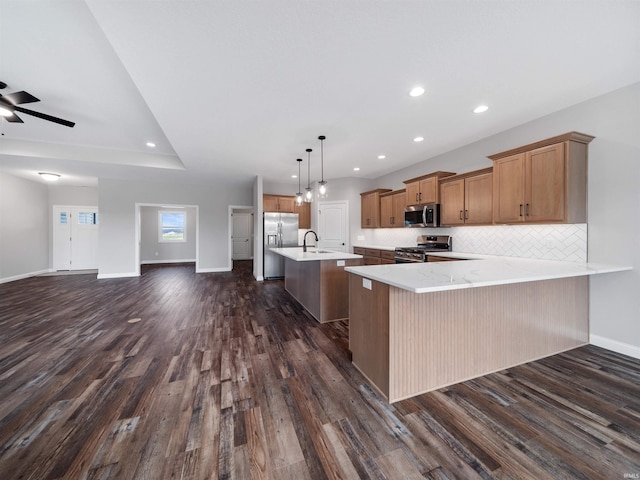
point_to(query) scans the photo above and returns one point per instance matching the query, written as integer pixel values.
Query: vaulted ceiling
(232, 89)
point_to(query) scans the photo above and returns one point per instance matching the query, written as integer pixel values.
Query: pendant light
(322, 191)
(308, 196)
(299, 197)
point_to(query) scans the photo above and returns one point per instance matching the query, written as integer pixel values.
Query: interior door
(333, 225)
(241, 236)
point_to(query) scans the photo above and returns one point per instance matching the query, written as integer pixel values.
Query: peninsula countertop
(476, 271)
(313, 254)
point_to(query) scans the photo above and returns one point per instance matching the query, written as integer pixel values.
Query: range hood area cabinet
(424, 189)
(370, 208)
(467, 199)
(544, 182)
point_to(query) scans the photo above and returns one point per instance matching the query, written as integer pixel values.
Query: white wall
(614, 200)
(24, 217)
(153, 251)
(118, 198)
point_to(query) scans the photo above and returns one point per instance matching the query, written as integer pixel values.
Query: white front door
(75, 238)
(333, 225)
(241, 236)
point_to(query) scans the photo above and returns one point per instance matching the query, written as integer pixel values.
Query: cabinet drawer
(387, 255)
(387, 261)
(372, 260)
(369, 252)
(359, 251)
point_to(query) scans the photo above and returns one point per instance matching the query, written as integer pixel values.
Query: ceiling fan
(9, 106)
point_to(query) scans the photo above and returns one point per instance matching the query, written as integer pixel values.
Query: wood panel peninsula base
(410, 343)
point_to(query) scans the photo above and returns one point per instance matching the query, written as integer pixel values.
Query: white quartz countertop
(312, 254)
(376, 247)
(476, 271)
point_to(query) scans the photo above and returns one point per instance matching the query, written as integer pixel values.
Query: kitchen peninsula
(317, 279)
(421, 326)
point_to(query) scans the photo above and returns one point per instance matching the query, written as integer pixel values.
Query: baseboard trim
(24, 275)
(102, 276)
(615, 346)
(153, 262)
(213, 270)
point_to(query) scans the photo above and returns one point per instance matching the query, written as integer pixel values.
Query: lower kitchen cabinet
(374, 256)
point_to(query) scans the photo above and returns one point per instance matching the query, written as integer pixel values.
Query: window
(88, 218)
(172, 226)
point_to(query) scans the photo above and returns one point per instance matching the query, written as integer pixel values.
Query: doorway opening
(167, 234)
(241, 226)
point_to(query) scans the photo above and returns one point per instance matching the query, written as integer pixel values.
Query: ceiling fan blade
(18, 98)
(13, 119)
(44, 116)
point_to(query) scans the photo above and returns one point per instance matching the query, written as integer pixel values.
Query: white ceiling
(232, 89)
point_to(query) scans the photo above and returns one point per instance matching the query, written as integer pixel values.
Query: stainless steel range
(425, 244)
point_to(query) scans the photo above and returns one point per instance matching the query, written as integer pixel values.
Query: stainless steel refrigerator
(280, 230)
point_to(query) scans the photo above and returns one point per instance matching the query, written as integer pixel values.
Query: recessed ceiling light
(416, 91)
(418, 139)
(151, 145)
(49, 177)
(381, 157)
(356, 169)
(5, 112)
(480, 109)
(294, 176)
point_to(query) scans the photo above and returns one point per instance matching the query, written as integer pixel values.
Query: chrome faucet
(304, 240)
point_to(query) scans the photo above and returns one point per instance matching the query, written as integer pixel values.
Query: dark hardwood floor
(225, 377)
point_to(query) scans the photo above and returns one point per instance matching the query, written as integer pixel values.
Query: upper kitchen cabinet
(544, 182)
(467, 199)
(278, 203)
(392, 205)
(304, 214)
(424, 189)
(370, 205)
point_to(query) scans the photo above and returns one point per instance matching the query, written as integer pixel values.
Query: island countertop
(476, 271)
(313, 254)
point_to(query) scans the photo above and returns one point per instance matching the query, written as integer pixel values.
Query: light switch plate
(366, 283)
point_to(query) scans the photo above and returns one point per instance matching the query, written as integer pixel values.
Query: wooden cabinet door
(429, 190)
(508, 189)
(545, 186)
(287, 204)
(386, 211)
(398, 206)
(270, 203)
(413, 193)
(304, 214)
(452, 202)
(367, 216)
(478, 199)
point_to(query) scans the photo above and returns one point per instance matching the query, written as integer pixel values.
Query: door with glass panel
(75, 237)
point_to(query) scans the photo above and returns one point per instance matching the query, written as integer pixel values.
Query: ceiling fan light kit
(11, 101)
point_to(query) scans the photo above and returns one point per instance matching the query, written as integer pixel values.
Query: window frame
(161, 239)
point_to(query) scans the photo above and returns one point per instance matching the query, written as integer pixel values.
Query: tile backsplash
(546, 242)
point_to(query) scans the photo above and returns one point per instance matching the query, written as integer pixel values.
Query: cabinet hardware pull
(466, 214)
(520, 209)
(526, 210)
(460, 214)
(417, 200)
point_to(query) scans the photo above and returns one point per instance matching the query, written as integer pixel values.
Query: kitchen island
(318, 281)
(421, 326)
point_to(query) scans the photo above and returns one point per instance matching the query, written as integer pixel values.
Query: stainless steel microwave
(422, 215)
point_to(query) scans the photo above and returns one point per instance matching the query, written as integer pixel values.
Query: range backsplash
(546, 242)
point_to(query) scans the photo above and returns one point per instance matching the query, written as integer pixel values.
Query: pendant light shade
(299, 197)
(308, 196)
(322, 191)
